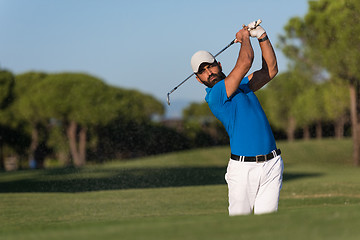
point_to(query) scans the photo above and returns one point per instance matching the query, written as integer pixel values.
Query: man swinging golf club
(254, 172)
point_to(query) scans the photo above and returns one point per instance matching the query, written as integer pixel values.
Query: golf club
(231, 43)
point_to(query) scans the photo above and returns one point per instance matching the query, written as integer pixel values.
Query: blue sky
(137, 44)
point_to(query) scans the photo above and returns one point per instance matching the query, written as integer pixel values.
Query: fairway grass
(183, 195)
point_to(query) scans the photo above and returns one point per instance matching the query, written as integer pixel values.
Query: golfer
(254, 172)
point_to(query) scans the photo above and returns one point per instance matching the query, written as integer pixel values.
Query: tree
(308, 108)
(82, 103)
(281, 95)
(336, 104)
(134, 105)
(202, 126)
(132, 132)
(327, 33)
(199, 112)
(79, 102)
(25, 113)
(6, 97)
(6, 88)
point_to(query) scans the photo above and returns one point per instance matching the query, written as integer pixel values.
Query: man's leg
(267, 199)
(243, 181)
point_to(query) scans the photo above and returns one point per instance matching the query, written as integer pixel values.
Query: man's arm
(269, 66)
(243, 63)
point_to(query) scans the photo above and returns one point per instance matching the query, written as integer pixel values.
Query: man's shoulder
(216, 89)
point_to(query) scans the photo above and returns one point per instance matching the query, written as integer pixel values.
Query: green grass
(183, 195)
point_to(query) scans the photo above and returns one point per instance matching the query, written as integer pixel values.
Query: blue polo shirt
(243, 118)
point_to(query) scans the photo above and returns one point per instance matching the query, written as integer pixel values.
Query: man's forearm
(246, 56)
(269, 66)
(269, 58)
(242, 66)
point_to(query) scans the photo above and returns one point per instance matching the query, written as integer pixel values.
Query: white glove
(255, 31)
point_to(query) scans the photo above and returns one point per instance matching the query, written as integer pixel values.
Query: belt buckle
(258, 156)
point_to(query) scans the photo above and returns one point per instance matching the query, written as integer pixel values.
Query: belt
(258, 158)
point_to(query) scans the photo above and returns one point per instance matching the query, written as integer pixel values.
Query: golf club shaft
(231, 43)
(168, 95)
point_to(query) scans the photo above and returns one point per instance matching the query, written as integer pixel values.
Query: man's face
(210, 73)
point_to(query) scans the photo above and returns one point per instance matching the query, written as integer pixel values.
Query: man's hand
(242, 35)
(255, 30)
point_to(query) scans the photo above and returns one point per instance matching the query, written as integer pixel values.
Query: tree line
(75, 117)
(323, 43)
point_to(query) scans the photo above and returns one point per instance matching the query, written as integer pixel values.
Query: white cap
(201, 57)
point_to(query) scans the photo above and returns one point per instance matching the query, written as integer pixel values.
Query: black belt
(258, 158)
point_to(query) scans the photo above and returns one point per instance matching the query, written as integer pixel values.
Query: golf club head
(168, 99)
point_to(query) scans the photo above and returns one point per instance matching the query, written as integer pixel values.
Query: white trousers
(254, 187)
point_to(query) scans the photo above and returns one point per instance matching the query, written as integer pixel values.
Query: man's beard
(218, 77)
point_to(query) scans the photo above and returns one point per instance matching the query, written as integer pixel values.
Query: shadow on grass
(76, 180)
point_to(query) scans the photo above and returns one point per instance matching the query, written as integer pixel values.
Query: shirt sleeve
(245, 81)
(244, 85)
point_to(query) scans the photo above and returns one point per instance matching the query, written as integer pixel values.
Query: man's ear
(220, 66)
(197, 78)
